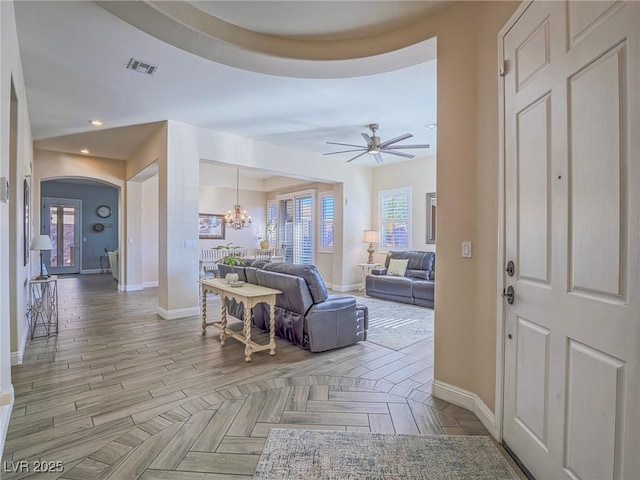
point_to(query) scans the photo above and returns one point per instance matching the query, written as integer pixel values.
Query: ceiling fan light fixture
(375, 147)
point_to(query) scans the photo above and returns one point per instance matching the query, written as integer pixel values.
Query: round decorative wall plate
(103, 211)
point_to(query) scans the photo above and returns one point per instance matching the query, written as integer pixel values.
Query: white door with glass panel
(572, 239)
(296, 227)
(61, 220)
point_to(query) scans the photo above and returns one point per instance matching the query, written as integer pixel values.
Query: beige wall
(466, 292)
(420, 175)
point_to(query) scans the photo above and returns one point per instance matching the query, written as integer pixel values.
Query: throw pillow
(397, 267)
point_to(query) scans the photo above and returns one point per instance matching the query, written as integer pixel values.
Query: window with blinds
(325, 240)
(271, 234)
(296, 227)
(303, 233)
(394, 218)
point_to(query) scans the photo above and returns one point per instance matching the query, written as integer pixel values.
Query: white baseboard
(469, 400)
(149, 284)
(346, 288)
(16, 357)
(91, 271)
(177, 313)
(6, 406)
(130, 288)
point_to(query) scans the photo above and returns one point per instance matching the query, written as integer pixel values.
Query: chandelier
(239, 218)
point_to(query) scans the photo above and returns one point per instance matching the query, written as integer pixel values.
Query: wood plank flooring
(121, 393)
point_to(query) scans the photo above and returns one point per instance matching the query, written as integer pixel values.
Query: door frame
(500, 278)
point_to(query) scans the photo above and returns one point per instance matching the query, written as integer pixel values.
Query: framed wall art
(211, 226)
(431, 218)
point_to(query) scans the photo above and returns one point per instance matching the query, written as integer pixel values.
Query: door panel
(572, 225)
(583, 16)
(595, 390)
(532, 55)
(534, 234)
(595, 174)
(532, 378)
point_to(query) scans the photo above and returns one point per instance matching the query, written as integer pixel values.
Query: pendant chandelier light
(237, 219)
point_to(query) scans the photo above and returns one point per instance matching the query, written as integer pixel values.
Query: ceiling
(74, 56)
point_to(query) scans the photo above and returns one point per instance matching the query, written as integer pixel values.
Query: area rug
(311, 454)
(397, 325)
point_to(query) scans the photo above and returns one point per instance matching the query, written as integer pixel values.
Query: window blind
(303, 235)
(395, 218)
(326, 223)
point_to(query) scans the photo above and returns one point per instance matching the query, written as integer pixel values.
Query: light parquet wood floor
(121, 393)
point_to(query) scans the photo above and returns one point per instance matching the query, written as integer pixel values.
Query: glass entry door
(61, 221)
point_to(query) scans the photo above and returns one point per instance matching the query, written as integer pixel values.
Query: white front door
(572, 229)
(61, 220)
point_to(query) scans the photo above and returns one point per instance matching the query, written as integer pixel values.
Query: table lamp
(41, 242)
(370, 237)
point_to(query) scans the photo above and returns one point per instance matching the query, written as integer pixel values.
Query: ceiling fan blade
(345, 144)
(401, 154)
(397, 139)
(424, 145)
(345, 151)
(352, 159)
(378, 158)
(367, 139)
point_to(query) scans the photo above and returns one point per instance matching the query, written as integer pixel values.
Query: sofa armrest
(334, 323)
(379, 271)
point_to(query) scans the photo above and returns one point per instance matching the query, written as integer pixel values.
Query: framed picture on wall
(211, 226)
(27, 230)
(431, 217)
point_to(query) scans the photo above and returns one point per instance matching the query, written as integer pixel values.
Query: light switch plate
(466, 249)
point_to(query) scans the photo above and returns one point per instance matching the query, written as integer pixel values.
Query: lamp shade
(41, 242)
(370, 236)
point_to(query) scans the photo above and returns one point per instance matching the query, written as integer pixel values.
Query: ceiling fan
(375, 147)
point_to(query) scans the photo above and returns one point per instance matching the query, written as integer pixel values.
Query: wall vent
(141, 67)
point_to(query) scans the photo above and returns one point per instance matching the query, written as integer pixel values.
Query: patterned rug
(397, 325)
(310, 454)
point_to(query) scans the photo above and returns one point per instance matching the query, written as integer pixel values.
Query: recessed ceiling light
(85, 151)
(96, 123)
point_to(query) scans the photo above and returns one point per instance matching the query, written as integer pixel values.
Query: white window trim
(321, 196)
(389, 193)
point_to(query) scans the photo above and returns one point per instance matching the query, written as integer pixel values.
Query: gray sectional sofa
(415, 286)
(305, 313)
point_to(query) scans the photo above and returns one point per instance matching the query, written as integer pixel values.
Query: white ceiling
(74, 56)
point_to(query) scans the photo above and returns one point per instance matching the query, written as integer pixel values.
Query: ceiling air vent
(141, 67)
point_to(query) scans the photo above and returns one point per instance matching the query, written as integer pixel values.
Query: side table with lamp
(40, 243)
(370, 237)
(43, 292)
